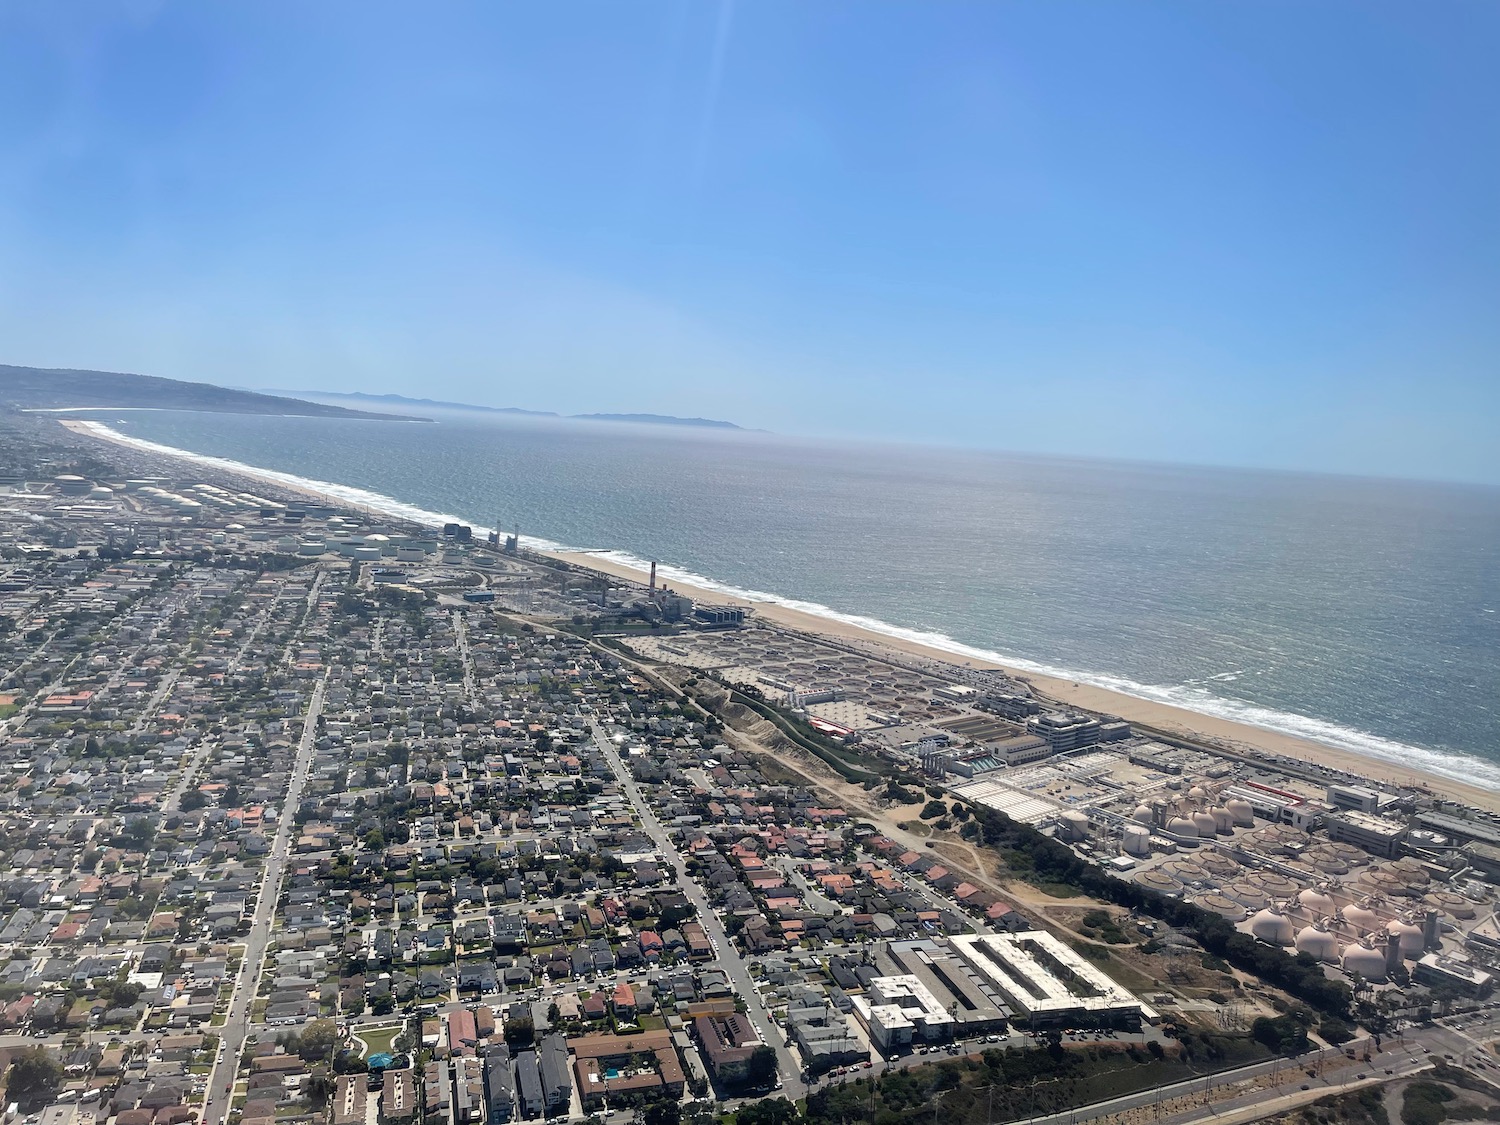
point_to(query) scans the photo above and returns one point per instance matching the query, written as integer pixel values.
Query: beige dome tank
(1272, 926)
(1142, 814)
(1204, 823)
(1363, 958)
(1241, 812)
(1316, 902)
(1223, 822)
(1182, 826)
(1318, 942)
(1198, 793)
(1361, 919)
(1410, 935)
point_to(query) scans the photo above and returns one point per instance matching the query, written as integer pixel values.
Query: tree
(520, 1032)
(768, 1111)
(374, 839)
(34, 1079)
(664, 1112)
(192, 799)
(319, 1089)
(317, 1040)
(230, 798)
(761, 1069)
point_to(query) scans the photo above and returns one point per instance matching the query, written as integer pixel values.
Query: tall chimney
(1392, 953)
(1431, 933)
(653, 577)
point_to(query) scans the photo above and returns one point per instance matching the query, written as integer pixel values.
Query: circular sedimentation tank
(1222, 905)
(1219, 865)
(1159, 880)
(1248, 894)
(1450, 903)
(1274, 883)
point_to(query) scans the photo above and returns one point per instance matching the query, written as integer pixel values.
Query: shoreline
(1233, 736)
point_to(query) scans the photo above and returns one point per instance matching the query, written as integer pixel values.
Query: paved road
(729, 958)
(1334, 1071)
(221, 1081)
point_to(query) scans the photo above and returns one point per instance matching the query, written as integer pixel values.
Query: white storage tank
(1073, 826)
(1272, 926)
(1410, 935)
(1318, 942)
(1240, 812)
(1364, 959)
(1136, 841)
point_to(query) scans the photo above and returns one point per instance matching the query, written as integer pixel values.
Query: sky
(1249, 233)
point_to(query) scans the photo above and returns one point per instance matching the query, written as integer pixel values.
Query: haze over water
(1359, 612)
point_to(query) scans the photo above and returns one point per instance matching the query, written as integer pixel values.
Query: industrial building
(897, 1011)
(1457, 973)
(1378, 835)
(1047, 984)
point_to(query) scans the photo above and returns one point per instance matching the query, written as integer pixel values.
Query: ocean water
(1361, 613)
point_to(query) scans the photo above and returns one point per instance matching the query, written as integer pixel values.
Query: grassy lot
(378, 1039)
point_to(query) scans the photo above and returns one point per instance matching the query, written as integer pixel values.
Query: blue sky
(1245, 233)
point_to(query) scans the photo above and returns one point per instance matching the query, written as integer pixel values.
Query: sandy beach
(1233, 736)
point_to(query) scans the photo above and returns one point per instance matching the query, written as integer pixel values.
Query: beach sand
(1233, 736)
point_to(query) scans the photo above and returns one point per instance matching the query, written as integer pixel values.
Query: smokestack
(653, 578)
(1431, 938)
(1392, 953)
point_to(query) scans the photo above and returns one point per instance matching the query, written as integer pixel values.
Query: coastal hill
(42, 388)
(438, 404)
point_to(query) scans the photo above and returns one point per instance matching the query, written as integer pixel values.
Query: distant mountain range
(46, 388)
(438, 404)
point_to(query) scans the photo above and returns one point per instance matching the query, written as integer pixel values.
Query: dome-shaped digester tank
(1316, 902)
(1241, 812)
(1198, 793)
(1223, 821)
(1364, 959)
(1136, 841)
(1182, 826)
(1272, 926)
(1361, 919)
(1142, 814)
(1204, 823)
(1318, 942)
(1410, 935)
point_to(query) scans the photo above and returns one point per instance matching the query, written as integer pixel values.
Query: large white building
(898, 1010)
(1047, 984)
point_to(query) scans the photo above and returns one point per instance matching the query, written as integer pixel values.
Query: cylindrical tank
(1363, 958)
(1161, 882)
(1136, 840)
(1272, 926)
(1318, 942)
(1241, 812)
(311, 547)
(1410, 935)
(1073, 825)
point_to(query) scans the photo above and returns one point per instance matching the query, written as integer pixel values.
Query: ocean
(1361, 613)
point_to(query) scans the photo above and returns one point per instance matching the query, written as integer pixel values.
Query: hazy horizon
(1255, 235)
